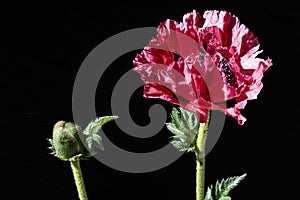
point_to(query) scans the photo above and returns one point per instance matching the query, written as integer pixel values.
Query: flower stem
(200, 179)
(200, 158)
(75, 165)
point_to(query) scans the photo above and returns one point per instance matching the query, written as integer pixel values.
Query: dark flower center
(176, 56)
(230, 77)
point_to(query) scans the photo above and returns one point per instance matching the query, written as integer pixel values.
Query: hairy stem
(200, 178)
(200, 158)
(75, 165)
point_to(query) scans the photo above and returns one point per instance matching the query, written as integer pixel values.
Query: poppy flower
(203, 62)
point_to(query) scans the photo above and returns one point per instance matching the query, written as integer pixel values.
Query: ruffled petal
(153, 90)
(235, 113)
(217, 62)
(193, 19)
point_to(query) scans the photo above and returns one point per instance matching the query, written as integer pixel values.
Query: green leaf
(175, 118)
(89, 142)
(184, 126)
(93, 138)
(225, 186)
(225, 198)
(94, 126)
(174, 130)
(103, 120)
(208, 195)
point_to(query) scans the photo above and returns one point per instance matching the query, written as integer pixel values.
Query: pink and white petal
(214, 18)
(244, 40)
(193, 19)
(236, 114)
(153, 90)
(225, 21)
(140, 59)
(168, 77)
(167, 35)
(187, 39)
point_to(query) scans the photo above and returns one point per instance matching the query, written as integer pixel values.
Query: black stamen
(230, 77)
(176, 56)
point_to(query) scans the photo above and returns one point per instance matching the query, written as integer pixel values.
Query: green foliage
(208, 195)
(66, 143)
(184, 126)
(225, 198)
(91, 132)
(222, 189)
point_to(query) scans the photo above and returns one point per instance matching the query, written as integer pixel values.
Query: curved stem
(200, 158)
(75, 165)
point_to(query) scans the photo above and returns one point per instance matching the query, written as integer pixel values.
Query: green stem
(75, 165)
(200, 158)
(200, 178)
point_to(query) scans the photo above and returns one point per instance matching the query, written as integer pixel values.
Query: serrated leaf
(89, 142)
(103, 120)
(175, 118)
(174, 130)
(94, 126)
(225, 198)
(189, 121)
(184, 126)
(179, 145)
(93, 139)
(96, 138)
(225, 186)
(193, 122)
(94, 143)
(184, 113)
(208, 195)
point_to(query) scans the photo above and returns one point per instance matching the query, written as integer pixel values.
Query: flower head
(217, 62)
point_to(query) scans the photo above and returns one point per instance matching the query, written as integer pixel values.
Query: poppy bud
(66, 142)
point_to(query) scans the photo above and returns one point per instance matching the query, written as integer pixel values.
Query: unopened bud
(66, 142)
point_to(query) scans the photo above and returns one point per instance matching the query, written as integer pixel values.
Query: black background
(43, 45)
